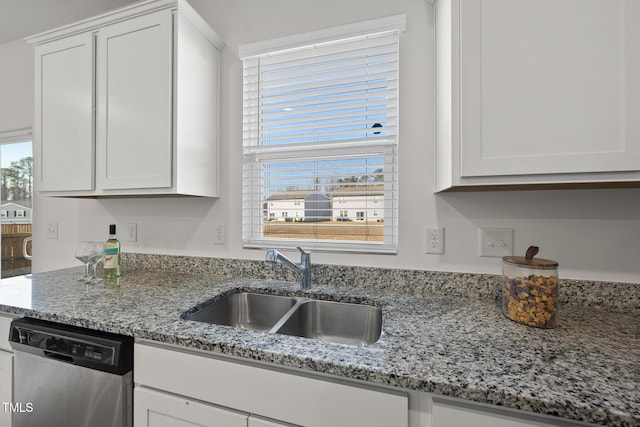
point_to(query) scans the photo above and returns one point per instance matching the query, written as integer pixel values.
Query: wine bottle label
(110, 257)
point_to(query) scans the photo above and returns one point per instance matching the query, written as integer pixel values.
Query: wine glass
(94, 256)
(82, 255)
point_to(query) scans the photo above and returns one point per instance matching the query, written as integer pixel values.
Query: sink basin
(345, 323)
(258, 312)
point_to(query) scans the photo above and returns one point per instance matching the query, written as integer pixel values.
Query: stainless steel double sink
(346, 323)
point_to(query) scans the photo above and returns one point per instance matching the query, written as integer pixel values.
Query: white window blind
(320, 142)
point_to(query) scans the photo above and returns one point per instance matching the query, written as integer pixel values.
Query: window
(321, 125)
(16, 158)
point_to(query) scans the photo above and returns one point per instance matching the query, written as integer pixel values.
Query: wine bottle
(112, 254)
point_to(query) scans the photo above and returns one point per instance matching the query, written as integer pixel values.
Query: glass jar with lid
(530, 289)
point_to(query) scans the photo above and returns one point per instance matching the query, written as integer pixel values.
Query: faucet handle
(305, 258)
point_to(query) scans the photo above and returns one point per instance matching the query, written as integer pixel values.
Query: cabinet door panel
(63, 126)
(546, 87)
(286, 397)
(447, 413)
(135, 69)
(155, 409)
(5, 326)
(6, 385)
(261, 422)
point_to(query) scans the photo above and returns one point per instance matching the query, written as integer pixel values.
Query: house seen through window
(320, 139)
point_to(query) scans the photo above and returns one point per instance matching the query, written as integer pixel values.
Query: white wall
(16, 86)
(594, 234)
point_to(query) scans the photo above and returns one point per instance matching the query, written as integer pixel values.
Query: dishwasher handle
(58, 356)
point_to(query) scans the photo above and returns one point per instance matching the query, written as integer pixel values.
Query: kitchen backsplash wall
(613, 296)
(593, 234)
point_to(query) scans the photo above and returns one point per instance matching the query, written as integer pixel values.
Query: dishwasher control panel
(64, 346)
(79, 346)
(94, 352)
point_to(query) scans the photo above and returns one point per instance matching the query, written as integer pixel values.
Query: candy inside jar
(530, 290)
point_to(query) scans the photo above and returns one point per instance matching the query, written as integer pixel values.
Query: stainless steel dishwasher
(71, 376)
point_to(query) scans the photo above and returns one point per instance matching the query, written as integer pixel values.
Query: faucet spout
(304, 268)
(272, 256)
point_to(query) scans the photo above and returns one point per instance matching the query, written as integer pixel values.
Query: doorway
(16, 184)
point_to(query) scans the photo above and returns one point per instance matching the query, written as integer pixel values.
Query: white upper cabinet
(63, 128)
(152, 126)
(134, 140)
(537, 92)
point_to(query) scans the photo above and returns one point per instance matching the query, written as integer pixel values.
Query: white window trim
(389, 23)
(16, 135)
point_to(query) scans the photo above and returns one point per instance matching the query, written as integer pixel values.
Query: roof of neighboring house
(359, 190)
(344, 191)
(288, 196)
(24, 204)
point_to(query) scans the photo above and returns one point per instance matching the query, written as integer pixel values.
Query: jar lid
(529, 261)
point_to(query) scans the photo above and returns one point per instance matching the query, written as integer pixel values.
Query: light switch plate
(52, 230)
(219, 233)
(132, 232)
(496, 242)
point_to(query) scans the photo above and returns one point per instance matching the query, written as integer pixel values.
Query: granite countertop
(586, 369)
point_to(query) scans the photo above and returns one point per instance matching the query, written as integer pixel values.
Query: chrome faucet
(273, 256)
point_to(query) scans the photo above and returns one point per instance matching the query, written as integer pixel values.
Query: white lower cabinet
(179, 387)
(446, 412)
(261, 422)
(6, 386)
(6, 372)
(156, 409)
(190, 384)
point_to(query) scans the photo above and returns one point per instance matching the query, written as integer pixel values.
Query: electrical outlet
(132, 232)
(52, 230)
(496, 242)
(219, 233)
(434, 240)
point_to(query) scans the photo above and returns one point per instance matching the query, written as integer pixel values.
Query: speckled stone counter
(455, 345)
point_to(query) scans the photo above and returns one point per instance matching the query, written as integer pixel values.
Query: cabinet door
(447, 413)
(64, 118)
(134, 133)
(155, 409)
(549, 86)
(261, 422)
(292, 398)
(6, 385)
(5, 327)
